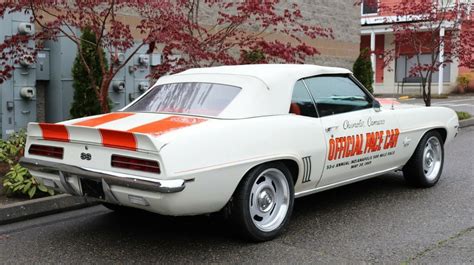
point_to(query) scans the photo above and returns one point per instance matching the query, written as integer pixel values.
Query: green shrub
(86, 102)
(463, 115)
(253, 57)
(362, 70)
(18, 181)
(463, 83)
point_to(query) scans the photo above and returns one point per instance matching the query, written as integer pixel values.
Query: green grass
(463, 115)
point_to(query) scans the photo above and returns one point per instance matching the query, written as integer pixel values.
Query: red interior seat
(295, 109)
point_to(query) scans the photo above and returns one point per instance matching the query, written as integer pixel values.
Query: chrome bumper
(107, 178)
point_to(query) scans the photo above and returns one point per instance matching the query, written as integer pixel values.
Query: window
(404, 64)
(370, 7)
(336, 94)
(446, 3)
(301, 101)
(187, 98)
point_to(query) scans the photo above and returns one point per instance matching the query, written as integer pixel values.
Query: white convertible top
(266, 88)
(271, 74)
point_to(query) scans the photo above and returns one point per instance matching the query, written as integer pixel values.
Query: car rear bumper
(190, 194)
(106, 178)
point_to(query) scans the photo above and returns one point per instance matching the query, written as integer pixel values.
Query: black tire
(240, 205)
(414, 172)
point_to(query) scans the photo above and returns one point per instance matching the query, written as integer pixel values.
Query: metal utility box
(42, 65)
(134, 77)
(155, 59)
(18, 94)
(59, 92)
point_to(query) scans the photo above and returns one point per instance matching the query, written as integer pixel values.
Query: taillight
(133, 163)
(46, 150)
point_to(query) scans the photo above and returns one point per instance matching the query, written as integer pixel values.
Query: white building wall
(391, 87)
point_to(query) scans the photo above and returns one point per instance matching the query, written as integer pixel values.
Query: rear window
(193, 98)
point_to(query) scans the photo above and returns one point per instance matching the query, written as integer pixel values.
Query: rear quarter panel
(218, 153)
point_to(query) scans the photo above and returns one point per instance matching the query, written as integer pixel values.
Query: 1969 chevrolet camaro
(246, 140)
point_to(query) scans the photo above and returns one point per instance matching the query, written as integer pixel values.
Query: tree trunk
(428, 98)
(104, 92)
(425, 94)
(426, 85)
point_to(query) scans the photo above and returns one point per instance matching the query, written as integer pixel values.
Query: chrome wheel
(432, 158)
(269, 200)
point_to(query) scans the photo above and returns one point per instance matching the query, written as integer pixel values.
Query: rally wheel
(263, 202)
(426, 165)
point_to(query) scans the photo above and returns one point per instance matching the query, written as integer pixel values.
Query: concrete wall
(344, 19)
(339, 15)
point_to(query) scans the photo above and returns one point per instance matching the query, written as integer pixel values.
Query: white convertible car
(246, 140)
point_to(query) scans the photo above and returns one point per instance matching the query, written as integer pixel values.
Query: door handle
(332, 128)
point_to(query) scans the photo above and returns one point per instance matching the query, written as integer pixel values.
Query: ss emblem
(86, 156)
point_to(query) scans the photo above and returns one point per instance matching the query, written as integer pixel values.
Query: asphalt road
(378, 220)
(458, 103)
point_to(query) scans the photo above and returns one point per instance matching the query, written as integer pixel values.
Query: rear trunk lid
(122, 130)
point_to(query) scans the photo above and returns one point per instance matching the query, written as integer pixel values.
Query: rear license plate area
(92, 188)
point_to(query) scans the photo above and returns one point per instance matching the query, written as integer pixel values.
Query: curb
(43, 206)
(466, 123)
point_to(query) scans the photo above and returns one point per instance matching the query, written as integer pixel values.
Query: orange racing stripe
(118, 139)
(165, 125)
(93, 122)
(54, 132)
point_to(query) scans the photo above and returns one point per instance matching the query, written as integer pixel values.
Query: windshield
(193, 98)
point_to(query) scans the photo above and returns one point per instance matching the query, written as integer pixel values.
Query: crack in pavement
(438, 245)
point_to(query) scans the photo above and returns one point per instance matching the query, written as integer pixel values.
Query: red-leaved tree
(417, 30)
(188, 33)
(234, 32)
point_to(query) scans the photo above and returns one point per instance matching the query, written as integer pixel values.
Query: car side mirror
(376, 105)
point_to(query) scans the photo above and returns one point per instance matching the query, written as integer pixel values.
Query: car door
(360, 139)
(307, 137)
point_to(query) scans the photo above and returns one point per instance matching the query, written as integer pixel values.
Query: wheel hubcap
(432, 158)
(269, 200)
(265, 201)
